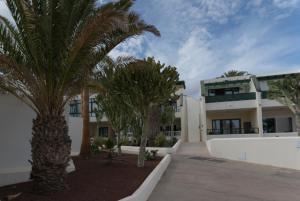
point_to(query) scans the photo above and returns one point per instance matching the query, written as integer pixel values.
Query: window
(103, 131)
(224, 91)
(75, 108)
(277, 124)
(226, 126)
(284, 124)
(269, 125)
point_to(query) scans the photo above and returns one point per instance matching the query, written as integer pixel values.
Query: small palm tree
(287, 92)
(233, 73)
(46, 54)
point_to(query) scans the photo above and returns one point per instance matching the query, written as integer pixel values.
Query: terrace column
(203, 126)
(259, 114)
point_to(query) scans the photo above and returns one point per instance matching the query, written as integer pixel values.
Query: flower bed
(94, 180)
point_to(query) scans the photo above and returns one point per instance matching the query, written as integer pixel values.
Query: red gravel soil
(94, 180)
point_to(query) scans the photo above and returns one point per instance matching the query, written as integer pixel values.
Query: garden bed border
(162, 151)
(146, 188)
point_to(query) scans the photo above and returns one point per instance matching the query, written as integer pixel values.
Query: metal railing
(231, 97)
(232, 131)
(171, 134)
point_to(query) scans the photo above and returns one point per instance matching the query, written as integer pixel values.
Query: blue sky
(204, 38)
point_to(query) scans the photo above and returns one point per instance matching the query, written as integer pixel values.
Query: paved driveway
(194, 176)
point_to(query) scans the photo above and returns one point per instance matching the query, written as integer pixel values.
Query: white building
(238, 107)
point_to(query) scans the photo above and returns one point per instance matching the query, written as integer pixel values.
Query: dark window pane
(269, 125)
(103, 131)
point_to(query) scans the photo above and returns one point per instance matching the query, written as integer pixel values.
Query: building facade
(239, 107)
(102, 128)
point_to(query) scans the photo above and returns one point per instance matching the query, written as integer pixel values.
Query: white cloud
(286, 3)
(131, 47)
(4, 10)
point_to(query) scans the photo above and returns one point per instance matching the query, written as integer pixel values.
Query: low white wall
(275, 151)
(162, 151)
(288, 134)
(145, 190)
(15, 134)
(75, 132)
(232, 136)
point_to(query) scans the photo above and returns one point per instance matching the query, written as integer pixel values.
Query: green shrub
(95, 149)
(150, 155)
(125, 142)
(110, 147)
(99, 141)
(160, 140)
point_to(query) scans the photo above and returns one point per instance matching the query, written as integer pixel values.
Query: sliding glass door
(226, 126)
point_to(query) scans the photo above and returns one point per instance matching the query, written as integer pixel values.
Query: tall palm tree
(133, 26)
(233, 73)
(46, 53)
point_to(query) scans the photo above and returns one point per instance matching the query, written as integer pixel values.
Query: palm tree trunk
(85, 149)
(142, 151)
(50, 148)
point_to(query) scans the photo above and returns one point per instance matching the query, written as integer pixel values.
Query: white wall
(231, 105)
(75, 132)
(275, 151)
(15, 134)
(193, 119)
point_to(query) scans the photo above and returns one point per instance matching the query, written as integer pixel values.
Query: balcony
(233, 131)
(231, 97)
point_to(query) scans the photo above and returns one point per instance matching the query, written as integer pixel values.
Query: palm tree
(132, 26)
(287, 92)
(46, 53)
(144, 84)
(233, 73)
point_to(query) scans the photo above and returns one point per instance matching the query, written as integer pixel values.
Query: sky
(205, 38)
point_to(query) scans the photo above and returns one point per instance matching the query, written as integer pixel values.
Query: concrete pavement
(195, 176)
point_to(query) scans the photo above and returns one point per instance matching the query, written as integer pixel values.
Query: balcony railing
(232, 131)
(231, 97)
(172, 133)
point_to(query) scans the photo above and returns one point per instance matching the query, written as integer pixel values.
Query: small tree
(107, 100)
(287, 92)
(142, 85)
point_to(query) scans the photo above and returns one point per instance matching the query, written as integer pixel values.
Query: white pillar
(259, 114)
(203, 126)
